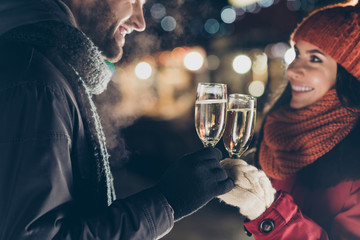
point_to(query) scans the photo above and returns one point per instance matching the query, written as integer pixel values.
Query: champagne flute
(240, 124)
(210, 112)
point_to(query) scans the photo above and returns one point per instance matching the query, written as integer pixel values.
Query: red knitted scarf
(294, 139)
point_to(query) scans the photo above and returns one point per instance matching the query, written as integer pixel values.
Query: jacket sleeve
(346, 225)
(37, 196)
(283, 220)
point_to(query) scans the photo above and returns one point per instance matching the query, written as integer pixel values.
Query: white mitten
(253, 192)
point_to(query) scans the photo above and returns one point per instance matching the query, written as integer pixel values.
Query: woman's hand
(253, 192)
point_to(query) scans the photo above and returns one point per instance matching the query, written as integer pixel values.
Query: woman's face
(311, 75)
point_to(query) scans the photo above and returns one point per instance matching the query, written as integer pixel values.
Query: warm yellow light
(256, 88)
(193, 61)
(241, 64)
(242, 3)
(143, 70)
(260, 65)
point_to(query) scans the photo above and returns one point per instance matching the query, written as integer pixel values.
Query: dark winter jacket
(322, 201)
(47, 173)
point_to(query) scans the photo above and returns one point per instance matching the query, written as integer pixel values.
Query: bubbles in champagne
(210, 118)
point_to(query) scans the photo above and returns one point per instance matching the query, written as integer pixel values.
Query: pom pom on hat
(335, 30)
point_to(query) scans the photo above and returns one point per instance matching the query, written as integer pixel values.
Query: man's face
(106, 23)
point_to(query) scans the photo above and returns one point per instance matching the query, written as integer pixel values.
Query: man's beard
(97, 22)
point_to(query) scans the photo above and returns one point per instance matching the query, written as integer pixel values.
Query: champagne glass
(210, 112)
(240, 124)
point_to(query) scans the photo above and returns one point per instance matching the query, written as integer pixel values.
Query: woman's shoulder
(341, 163)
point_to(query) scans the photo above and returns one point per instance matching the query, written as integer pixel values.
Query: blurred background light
(241, 64)
(212, 26)
(253, 8)
(143, 70)
(276, 50)
(260, 64)
(242, 3)
(193, 61)
(157, 11)
(256, 88)
(228, 15)
(240, 11)
(213, 62)
(289, 55)
(293, 5)
(266, 3)
(168, 23)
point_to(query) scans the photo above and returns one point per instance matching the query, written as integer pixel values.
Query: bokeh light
(294, 5)
(260, 65)
(212, 26)
(143, 70)
(289, 55)
(265, 3)
(241, 64)
(213, 62)
(228, 15)
(168, 23)
(242, 3)
(157, 11)
(193, 61)
(256, 88)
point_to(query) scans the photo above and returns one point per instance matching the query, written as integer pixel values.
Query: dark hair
(347, 88)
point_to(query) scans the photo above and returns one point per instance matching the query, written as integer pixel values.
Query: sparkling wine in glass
(240, 124)
(210, 112)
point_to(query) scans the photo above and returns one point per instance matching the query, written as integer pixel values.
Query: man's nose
(137, 19)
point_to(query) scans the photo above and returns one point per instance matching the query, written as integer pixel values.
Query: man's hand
(252, 193)
(194, 180)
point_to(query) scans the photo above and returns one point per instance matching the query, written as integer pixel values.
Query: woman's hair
(347, 88)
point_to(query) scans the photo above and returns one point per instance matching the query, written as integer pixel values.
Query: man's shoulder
(23, 64)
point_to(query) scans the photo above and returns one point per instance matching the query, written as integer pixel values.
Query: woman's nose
(294, 71)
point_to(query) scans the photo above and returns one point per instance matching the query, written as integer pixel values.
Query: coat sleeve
(346, 225)
(37, 195)
(283, 220)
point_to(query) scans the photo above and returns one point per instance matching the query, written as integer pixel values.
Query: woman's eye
(315, 59)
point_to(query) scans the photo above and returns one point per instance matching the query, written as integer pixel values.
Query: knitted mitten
(252, 193)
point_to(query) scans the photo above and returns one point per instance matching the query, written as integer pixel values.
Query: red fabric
(295, 138)
(334, 29)
(333, 213)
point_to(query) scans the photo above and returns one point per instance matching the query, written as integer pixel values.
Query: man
(55, 179)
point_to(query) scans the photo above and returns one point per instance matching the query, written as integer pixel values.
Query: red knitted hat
(335, 30)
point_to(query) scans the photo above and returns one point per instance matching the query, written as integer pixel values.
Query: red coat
(322, 201)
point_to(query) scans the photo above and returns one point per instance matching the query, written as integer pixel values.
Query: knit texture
(335, 30)
(294, 138)
(87, 73)
(252, 193)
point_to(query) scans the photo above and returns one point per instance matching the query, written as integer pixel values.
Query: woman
(309, 143)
